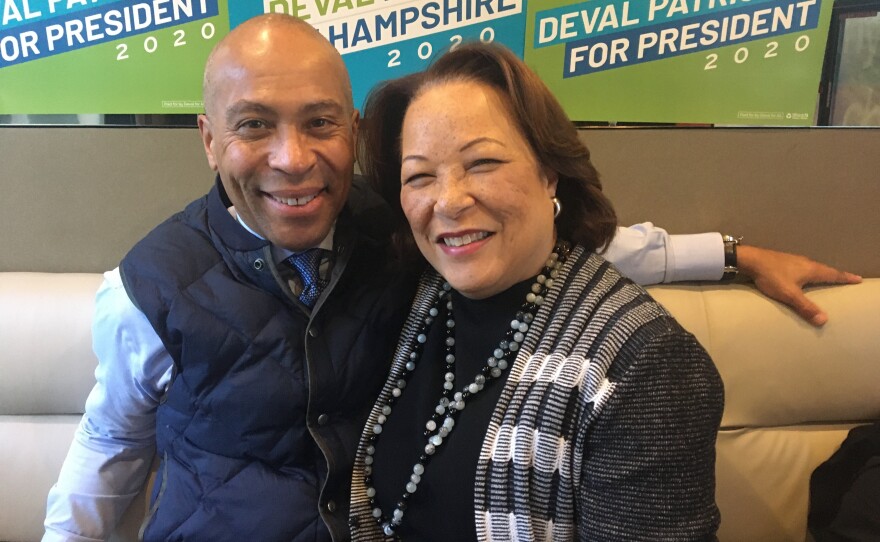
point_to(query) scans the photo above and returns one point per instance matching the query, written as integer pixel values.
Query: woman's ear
(552, 179)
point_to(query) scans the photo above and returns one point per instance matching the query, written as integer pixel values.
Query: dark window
(851, 74)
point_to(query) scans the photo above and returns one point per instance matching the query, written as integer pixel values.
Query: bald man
(210, 353)
(244, 339)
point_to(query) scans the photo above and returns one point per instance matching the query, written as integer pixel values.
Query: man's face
(280, 131)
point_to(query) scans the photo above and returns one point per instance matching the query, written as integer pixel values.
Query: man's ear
(205, 130)
(355, 123)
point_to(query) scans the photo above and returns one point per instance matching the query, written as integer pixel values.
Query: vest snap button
(322, 419)
(331, 506)
(259, 264)
(313, 332)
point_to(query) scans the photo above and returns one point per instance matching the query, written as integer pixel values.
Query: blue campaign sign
(371, 66)
(385, 39)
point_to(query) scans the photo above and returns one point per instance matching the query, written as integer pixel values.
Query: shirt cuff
(694, 257)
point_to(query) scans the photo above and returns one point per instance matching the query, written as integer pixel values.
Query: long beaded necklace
(451, 403)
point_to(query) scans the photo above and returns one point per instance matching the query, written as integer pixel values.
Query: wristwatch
(730, 268)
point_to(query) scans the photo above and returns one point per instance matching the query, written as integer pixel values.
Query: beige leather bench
(792, 393)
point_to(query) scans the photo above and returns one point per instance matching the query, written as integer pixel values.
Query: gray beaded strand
(452, 404)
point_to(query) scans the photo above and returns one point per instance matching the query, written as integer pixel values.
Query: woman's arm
(649, 465)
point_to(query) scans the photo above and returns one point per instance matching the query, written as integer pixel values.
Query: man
(247, 368)
(264, 392)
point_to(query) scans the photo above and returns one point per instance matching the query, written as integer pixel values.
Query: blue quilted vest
(258, 429)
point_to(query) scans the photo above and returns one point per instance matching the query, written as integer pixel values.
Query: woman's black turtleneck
(442, 508)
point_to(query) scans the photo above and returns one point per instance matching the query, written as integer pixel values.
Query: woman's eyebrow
(478, 140)
(418, 157)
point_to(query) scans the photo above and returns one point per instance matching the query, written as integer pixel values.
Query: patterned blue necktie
(306, 264)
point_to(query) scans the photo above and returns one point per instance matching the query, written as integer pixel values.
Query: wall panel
(75, 199)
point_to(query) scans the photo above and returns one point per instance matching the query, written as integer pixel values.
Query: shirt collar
(280, 254)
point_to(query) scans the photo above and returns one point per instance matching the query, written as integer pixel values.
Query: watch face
(731, 239)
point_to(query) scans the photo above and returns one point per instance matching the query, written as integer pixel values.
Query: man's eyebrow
(323, 105)
(247, 107)
(242, 107)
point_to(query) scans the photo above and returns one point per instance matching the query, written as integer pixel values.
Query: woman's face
(475, 196)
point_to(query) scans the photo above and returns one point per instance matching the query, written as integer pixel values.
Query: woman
(535, 393)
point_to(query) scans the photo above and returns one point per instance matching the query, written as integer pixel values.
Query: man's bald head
(264, 36)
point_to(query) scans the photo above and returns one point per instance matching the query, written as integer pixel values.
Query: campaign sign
(146, 56)
(694, 61)
(101, 56)
(681, 61)
(384, 39)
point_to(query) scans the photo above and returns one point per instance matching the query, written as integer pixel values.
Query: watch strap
(730, 266)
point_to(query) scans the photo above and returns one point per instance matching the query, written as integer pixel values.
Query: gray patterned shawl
(605, 429)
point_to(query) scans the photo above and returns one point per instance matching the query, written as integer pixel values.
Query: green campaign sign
(99, 56)
(695, 61)
(687, 61)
